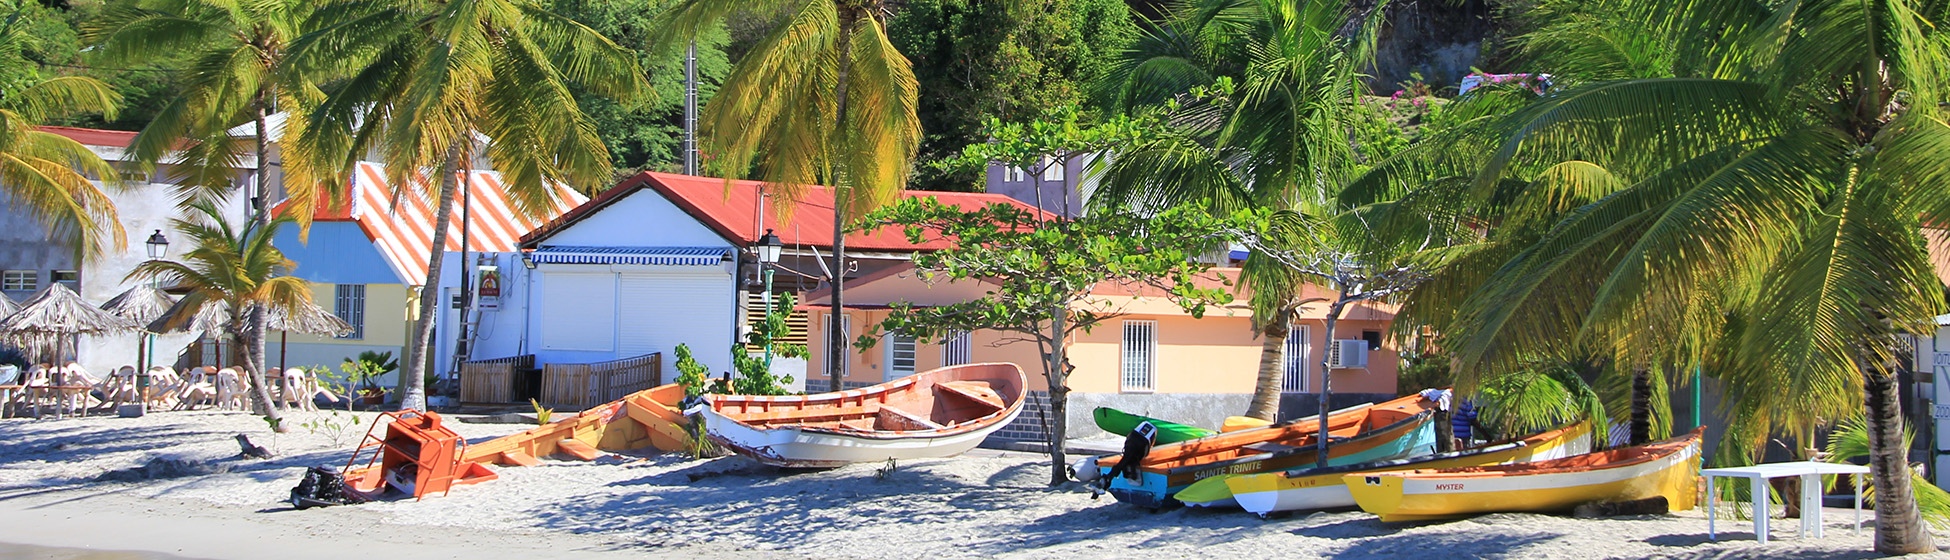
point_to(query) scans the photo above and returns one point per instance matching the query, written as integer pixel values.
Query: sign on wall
(490, 287)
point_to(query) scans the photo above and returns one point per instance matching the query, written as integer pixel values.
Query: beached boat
(1666, 469)
(1390, 430)
(938, 413)
(1121, 423)
(1312, 489)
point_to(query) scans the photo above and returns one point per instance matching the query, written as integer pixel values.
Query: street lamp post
(768, 249)
(158, 247)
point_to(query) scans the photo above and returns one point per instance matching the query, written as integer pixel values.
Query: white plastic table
(1811, 491)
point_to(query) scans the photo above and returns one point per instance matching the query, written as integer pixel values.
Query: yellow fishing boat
(1310, 489)
(1667, 468)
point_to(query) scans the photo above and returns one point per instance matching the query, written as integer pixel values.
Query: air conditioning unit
(1348, 354)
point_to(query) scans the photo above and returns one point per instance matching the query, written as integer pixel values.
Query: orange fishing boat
(1372, 432)
(938, 413)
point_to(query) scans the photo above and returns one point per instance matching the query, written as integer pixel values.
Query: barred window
(350, 306)
(1140, 355)
(955, 350)
(1294, 379)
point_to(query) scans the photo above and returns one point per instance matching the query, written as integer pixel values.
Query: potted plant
(365, 371)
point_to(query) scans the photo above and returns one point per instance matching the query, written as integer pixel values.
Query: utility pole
(690, 109)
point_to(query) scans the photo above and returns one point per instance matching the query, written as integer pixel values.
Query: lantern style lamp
(768, 249)
(158, 245)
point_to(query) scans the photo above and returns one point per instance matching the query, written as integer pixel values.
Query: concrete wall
(141, 209)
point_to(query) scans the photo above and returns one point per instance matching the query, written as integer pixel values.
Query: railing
(493, 381)
(580, 386)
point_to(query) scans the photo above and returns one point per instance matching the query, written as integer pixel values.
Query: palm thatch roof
(195, 313)
(141, 304)
(7, 305)
(58, 311)
(57, 315)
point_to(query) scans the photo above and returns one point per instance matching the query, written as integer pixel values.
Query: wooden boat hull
(1121, 423)
(932, 414)
(1409, 437)
(1669, 468)
(1313, 489)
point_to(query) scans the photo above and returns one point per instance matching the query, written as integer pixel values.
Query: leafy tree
(1017, 62)
(419, 80)
(43, 172)
(825, 98)
(1042, 275)
(240, 269)
(1768, 212)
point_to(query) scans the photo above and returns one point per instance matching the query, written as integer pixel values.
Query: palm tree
(419, 82)
(825, 99)
(236, 48)
(1278, 140)
(241, 270)
(46, 173)
(1773, 201)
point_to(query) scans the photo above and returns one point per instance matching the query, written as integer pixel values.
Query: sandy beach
(988, 504)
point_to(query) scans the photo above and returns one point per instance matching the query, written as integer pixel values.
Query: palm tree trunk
(836, 343)
(1899, 525)
(1327, 378)
(1272, 366)
(1057, 373)
(254, 328)
(412, 383)
(1641, 422)
(260, 391)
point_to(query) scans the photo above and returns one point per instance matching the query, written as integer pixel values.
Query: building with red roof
(664, 259)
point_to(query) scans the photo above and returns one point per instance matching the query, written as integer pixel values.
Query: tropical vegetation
(238, 270)
(424, 84)
(824, 99)
(47, 173)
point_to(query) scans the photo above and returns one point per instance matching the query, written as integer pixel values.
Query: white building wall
(142, 210)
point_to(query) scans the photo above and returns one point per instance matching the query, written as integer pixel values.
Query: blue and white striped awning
(666, 256)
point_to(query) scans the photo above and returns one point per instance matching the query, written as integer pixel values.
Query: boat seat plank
(978, 392)
(578, 449)
(895, 419)
(824, 413)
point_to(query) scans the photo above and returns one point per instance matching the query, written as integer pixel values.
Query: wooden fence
(493, 381)
(580, 386)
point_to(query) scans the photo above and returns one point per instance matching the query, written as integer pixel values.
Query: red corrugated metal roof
(92, 136)
(733, 213)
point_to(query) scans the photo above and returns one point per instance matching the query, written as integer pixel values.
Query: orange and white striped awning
(404, 235)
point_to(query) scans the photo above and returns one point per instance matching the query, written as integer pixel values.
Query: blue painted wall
(337, 253)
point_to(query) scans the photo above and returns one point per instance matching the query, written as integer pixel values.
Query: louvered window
(900, 356)
(1140, 355)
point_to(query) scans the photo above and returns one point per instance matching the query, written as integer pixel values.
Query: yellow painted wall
(1214, 354)
(387, 310)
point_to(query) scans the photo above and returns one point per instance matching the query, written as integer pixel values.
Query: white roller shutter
(662, 309)
(579, 311)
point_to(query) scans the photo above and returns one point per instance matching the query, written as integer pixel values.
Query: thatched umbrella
(7, 305)
(213, 316)
(58, 314)
(141, 304)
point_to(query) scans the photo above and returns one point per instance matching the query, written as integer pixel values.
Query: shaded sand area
(204, 503)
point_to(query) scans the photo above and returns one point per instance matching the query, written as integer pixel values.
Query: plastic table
(1811, 490)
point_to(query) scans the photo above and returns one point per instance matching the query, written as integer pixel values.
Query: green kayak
(1119, 422)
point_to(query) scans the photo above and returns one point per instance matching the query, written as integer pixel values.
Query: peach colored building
(1151, 358)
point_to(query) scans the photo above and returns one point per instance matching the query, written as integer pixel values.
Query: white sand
(985, 505)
